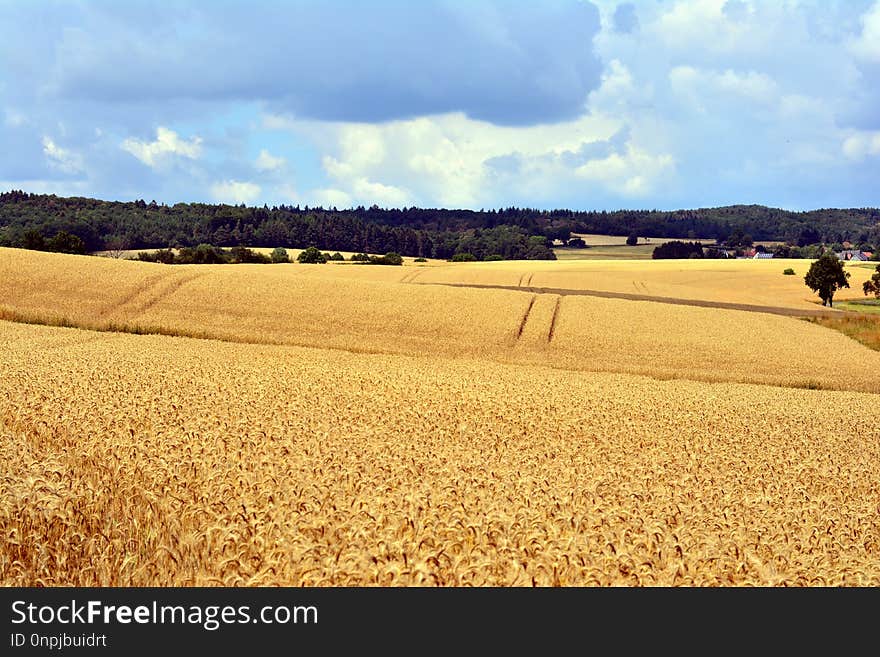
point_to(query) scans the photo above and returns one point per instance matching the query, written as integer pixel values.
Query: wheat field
(339, 426)
(151, 460)
(750, 282)
(375, 309)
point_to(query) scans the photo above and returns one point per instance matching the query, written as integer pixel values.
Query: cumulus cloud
(702, 88)
(268, 162)
(453, 161)
(867, 45)
(379, 193)
(752, 100)
(633, 173)
(235, 192)
(862, 144)
(332, 198)
(168, 143)
(619, 91)
(705, 25)
(61, 158)
(666, 103)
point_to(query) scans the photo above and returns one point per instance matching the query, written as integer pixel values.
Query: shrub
(676, 249)
(463, 257)
(360, 257)
(64, 242)
(492, 257)
(389, 258)
(203, 254)
(242, 255)
(165, 256)
(392, 258)
(337, 256)
(420, 260)
(789, 272)
(311, 256)
(279, 254)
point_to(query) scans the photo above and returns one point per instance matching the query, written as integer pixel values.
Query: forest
(77, 224)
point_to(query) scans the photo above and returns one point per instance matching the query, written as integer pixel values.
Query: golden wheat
(750, 282)
(373, 309)
(451, 436)
(151, 460)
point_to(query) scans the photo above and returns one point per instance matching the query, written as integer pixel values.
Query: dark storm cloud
(510, 63)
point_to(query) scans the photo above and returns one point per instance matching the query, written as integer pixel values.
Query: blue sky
(460, 103)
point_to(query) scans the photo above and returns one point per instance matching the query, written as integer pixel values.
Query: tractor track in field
(525, 317)
(411, 276)
(553, 319)
(148, 294)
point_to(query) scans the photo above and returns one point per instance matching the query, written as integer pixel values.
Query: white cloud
(633, 173)
(332, 198)
(706, 87)
(268, 162)
(867, 45)
(617, 88)
(61, 158)
(362, 146)
(451, 160)
(235, 191)
(751, 85)
(168, 143)
(696, 25)
(862, 144)
(387, 196)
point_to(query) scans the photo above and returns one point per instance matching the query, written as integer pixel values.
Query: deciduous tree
(872, 285)
(826, 276)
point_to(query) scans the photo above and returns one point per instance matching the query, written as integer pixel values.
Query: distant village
(760, 253)
(741, 250)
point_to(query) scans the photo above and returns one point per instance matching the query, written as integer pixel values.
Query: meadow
(335, 425)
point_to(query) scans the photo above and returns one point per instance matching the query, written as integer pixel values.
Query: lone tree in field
(826, 276)
(632, 239)
(872, 286)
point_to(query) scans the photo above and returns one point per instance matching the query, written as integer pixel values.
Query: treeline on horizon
(511, 233)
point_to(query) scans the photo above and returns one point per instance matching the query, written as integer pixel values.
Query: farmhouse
(853, 254)
(720, 251)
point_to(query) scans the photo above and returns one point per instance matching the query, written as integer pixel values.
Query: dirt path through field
(774, 310)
